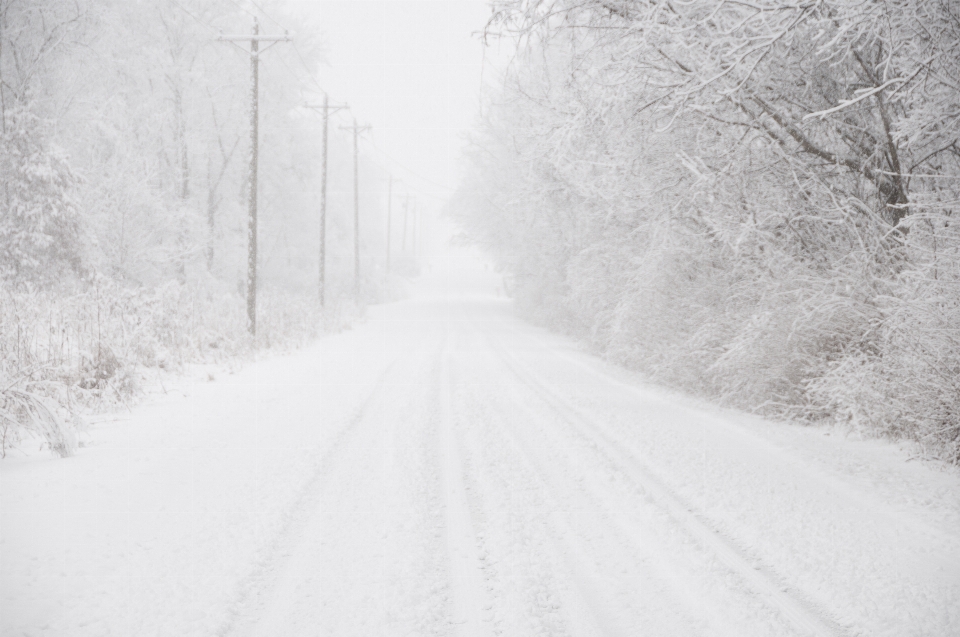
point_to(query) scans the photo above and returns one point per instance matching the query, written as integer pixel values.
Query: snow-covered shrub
(910, 387)
(87, 350)
(24, 411)
(792, 335)
(286, 320)
(907, 384)
(652, 304)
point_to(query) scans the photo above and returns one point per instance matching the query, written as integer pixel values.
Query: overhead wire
(189, 13)
(293, 43)
(319, 87)
(408, 187)
(408, 169)
(306, 68)
(264, 12)
(297, 77)
(242, 8)
(296, 49)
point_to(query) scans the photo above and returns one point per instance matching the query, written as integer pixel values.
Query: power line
(189, 13)
(257, 5)
(303, 62)
(297, 77)
(296, 50)
(307, 68)
(407, 186)
(408, 169)
(313, 79)
(242, 8)
(292, 73)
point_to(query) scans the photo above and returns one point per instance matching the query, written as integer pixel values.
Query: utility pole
(327, 107)
(356, 205)
(403, 241)
(416, 227)
(255, 40)
(406, 214)
(389, 220)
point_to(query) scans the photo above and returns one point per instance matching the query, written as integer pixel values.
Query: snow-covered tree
(41, 231)
(753, 200)
(122, 160)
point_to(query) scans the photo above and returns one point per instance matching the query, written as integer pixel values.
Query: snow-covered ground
(446, 469)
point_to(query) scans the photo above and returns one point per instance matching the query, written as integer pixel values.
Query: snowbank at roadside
(151, 528)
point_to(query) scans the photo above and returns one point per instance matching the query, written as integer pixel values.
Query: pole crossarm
(330, 108)
(255, 38)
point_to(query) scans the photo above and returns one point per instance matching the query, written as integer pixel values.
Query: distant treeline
(754, 201)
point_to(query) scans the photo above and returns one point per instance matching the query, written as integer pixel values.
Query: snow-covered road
(445, 469)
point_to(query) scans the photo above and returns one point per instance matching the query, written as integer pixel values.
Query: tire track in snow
(591, 610)
(811, 474)
(466, 571)
(573, 547)
(630, 572)
(616, 544)
(256, 588)
(522, 582)
(805, 617)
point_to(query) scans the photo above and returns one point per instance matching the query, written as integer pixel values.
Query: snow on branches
(41, 235)
(754, 200)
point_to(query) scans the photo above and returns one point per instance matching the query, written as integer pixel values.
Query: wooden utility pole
(356, 205)
(406, 214)
(255, 40)
(389, 221)
(326, 107)
(416, 227)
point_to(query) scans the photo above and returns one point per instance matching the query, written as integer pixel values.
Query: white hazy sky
(412, 69)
